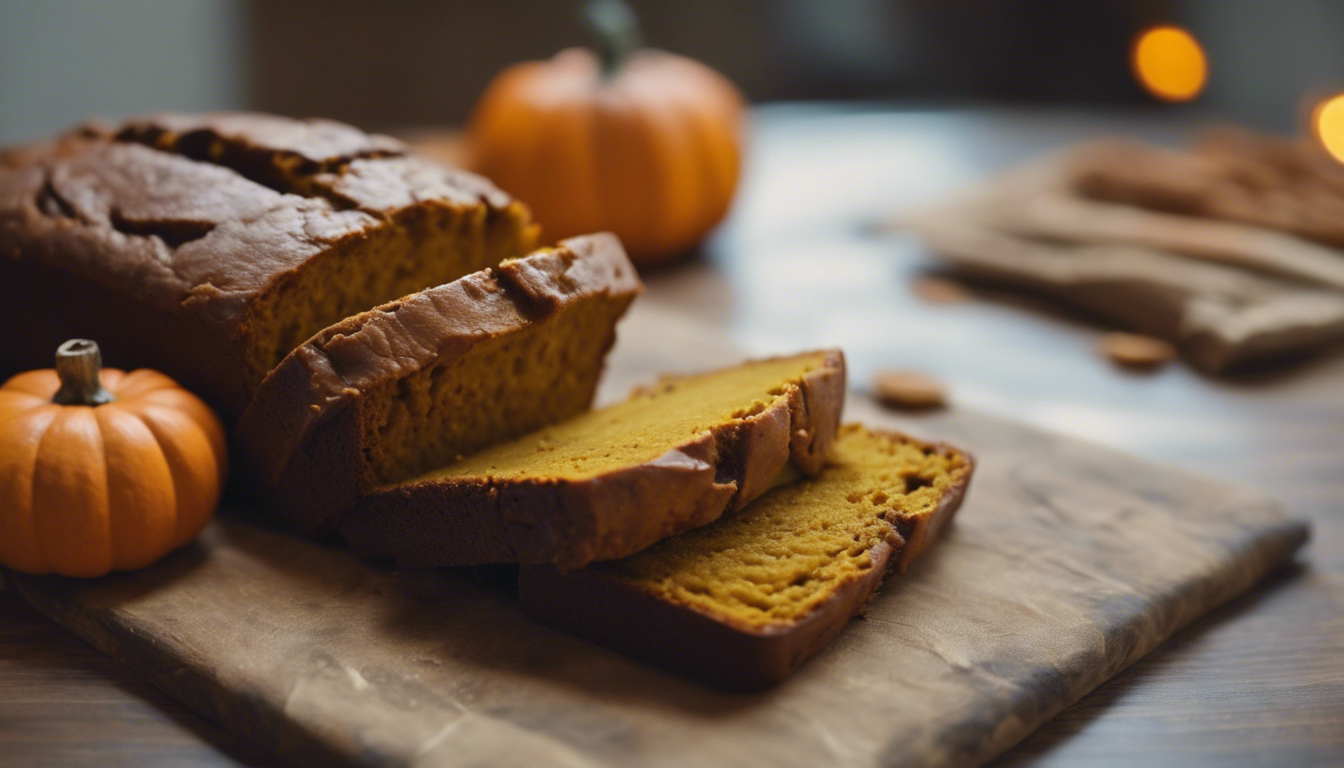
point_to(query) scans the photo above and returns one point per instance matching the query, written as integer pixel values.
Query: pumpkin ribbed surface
(85, 490)
(651, 152)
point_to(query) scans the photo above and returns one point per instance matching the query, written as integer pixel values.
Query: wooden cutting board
(1067, 563)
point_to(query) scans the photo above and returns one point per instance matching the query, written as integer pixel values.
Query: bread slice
(417, 383)
(611, 482)
(742, 603)
(210, 246)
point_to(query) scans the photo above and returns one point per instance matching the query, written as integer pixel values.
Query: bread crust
(717, 649)
(302, 436)
(570, 523)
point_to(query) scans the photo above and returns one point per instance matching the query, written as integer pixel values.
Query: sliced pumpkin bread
(743, 602)
(610, 482)
(417, 383)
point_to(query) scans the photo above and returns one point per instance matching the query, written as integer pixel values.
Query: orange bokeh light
(1328, 122)
(1170, 63)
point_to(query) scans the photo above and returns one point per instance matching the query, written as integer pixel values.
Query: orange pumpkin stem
(78, 363)
(617, 31)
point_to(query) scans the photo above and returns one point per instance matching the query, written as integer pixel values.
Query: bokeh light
(1328, 122)
(1170, 63)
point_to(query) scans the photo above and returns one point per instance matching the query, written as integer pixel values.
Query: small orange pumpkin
(642, 143)
(102, 470)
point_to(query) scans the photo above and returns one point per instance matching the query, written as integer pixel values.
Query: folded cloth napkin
(1110, 229)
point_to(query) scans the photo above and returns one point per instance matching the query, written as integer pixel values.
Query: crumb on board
(1134, 351)
(909, 390)
(939, 290)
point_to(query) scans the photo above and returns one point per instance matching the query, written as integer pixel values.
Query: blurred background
(399, 63)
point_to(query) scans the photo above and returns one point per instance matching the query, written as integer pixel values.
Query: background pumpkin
(642, 143)
(102, 470)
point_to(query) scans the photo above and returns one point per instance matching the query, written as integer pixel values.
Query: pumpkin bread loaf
(422, 381)
(745, 601)
(611, 482)
(209, 246)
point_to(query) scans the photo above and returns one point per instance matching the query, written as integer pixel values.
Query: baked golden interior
(420, 248)
(786, 553)
(639, 430)
(501, 388)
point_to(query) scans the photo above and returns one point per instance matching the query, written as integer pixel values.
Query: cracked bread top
(215, 219)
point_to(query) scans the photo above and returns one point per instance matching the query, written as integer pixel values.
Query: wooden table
(802, 264)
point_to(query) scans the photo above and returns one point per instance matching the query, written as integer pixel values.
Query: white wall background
(64, 60)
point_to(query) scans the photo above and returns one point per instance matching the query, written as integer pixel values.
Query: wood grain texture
(1282, 645)
(48, 715)
(1068, 563)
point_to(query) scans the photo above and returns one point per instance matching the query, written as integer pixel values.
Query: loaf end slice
(417, 383)
(609, 483)
(742, 603)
